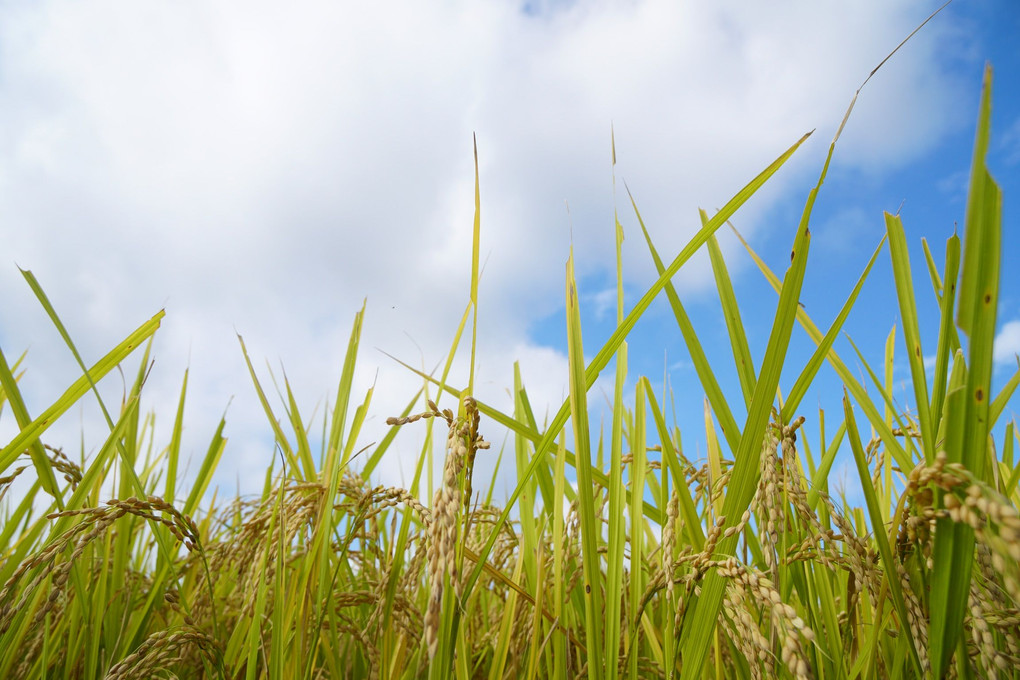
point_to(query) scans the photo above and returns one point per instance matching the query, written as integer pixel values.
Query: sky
(265, 169)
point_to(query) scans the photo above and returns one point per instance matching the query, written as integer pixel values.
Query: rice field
(742, 565)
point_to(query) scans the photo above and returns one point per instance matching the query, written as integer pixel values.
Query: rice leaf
(590, 525)
(911, 332)
(59, 325)
(700, 623)
(949, 340)
(731, 313)
(969, 412)
(31, 430)
(698, 357)
(688, 510)
(274, 422)
(876, 513)
(1005, 394)
(810, 370)
(174, 450)
(638, 469)
(615, 569)
(858, 392)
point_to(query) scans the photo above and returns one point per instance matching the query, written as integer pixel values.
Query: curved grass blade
(638, 469)
(688, 510)
(1010, 468)
(615, 570)
(911, 333)
(968, 425)
(900, 455)
(476, 233)
(274, 422)
(807, 375)
(591, 527)
(857, 390)
(949, 340)
(174, 451)
(44, 471)
(601, 359)
(875, 511)
(304, 449)
(213, 453)
(700, 624)
(335, 461)
(559, 594)
(515, 426)
(698, 357)
(1005, 394)
(824, 465)
(695, 645)
(31, 431)
(129, 476)
(731, 313)
(52, 313)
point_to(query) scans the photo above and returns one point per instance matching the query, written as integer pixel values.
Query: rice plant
(654, 566)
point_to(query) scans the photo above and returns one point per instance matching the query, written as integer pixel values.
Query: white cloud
(263, 167)
(1007, 343)
(603, 301)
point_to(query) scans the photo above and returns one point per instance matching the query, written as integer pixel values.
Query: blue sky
(262, 169)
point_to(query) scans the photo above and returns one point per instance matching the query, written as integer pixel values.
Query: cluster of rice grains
(378, 601)
(51, 568)
(752, 601)
(764, 618)
(463, 442)
(763, 626)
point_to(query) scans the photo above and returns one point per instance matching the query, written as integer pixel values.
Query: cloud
(1007, 343)
(262, 169)
(603, 302)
